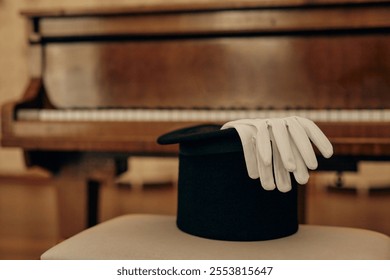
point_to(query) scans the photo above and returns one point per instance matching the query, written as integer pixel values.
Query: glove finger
(262, 136)
(282, 176)
(232, 124)
(317, 137)
(301, 173)
(263, 142)
(265, 172)
(281, 139)
(246, 133)
(302, 142)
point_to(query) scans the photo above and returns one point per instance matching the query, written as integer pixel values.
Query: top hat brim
(195, 134)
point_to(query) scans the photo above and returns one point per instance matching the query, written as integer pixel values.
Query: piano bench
(143, 237)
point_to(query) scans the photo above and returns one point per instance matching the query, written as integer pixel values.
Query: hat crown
(216, 197)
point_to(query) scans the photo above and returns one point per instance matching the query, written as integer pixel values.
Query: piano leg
(93, 197)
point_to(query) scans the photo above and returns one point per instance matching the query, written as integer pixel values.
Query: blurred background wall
(13, 71)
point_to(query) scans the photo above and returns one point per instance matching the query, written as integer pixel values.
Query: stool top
(155, 237)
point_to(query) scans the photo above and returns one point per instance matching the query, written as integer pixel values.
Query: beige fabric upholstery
(156, 237)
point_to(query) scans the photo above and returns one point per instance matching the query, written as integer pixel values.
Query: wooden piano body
(191, 62)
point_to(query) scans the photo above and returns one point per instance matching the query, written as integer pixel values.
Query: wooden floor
(28, 217)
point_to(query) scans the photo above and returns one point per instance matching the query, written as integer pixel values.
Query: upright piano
(108, 79)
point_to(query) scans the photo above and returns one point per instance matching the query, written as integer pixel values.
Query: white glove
(291, 149)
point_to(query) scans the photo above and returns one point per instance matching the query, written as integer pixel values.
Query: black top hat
(216, 197)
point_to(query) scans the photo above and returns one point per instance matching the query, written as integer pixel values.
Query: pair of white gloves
(275, 147)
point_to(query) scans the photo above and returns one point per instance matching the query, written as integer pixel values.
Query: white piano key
(263, 114)
(152, 115)
(332, 116)
(267, 114)
(167, 115)
(276, 114)
(27, 114)
(364, 115)
(201, 115)
(91, 115)
(386, 115)
(232, 115)
(312, 115)
(305, 113)
(61, 117)
(186, 116)
(254, 114)
(138, 115)
(297, 113)
(175, 115)
(77, 115)
(354, 116)
(106, 116)
(211, 116)
(342, 115)
(121, 115)
(45, 115)
(376, 115)
(222, 116)
(320, 116)
(205, 115)
(292, 112)
(372, 116)
(162, 115)
(229, 115)
(239, 115)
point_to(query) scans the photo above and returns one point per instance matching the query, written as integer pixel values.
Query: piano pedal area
(371, 178)
(150, 186)
(93, 190)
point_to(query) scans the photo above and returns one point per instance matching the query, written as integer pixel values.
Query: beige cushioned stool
(143, 237)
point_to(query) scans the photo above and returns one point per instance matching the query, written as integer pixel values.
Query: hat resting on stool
(216, 197)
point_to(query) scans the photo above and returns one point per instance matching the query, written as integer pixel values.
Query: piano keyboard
(160, 115)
